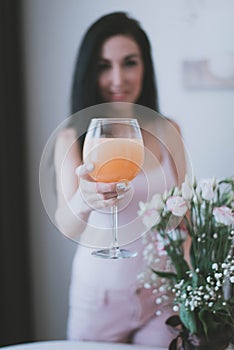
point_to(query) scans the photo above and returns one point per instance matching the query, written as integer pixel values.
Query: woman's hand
(73, 216)
(98, 195)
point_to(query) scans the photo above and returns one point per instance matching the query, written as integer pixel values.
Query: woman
(107, 303)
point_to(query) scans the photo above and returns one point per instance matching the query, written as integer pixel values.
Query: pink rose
(177, 205)
(224, 215)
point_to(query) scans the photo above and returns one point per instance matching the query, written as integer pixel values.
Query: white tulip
(177, 205)
(206, 188)
(157, 202)
(187, 191)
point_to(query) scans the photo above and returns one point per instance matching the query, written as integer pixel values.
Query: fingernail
(120, 196)
(121, 186)
(90, 167)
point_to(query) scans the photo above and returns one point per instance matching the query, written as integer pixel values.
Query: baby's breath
(204, 284)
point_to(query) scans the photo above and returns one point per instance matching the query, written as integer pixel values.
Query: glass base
(114, 253)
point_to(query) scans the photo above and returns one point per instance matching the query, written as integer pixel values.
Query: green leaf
(170, 275)
(178, 261)
(205, 319)
(188, 318)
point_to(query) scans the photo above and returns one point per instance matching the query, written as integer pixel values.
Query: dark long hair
(85, 91)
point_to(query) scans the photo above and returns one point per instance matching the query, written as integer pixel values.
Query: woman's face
(121, 70)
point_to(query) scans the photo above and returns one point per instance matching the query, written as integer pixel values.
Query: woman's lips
(120, 96)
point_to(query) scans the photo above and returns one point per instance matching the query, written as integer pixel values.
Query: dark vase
(195, 343)
(188, 341)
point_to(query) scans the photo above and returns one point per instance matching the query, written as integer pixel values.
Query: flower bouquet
(202, 283)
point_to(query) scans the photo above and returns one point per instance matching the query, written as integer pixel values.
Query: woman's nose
(117, 76)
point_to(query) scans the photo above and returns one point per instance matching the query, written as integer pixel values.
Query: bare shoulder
(66, 145)
(175, 125)
(175, 144)
(165, 129)
(172, 126)
(66, 136)
(172, 135)
(65, 139)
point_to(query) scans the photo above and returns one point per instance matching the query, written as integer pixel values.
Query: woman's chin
(122, 108)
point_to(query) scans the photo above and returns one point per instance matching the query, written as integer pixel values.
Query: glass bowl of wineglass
(115, 147)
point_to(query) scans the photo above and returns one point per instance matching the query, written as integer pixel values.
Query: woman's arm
(72, 213)
(175, 145)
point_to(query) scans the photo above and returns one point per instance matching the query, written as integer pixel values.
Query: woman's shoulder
(164, 128)
(65, 137)
(66, 142)
(173, 139)
(66, 134)
(169, 124)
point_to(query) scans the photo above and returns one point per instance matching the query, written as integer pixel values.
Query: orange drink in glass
(115, 147)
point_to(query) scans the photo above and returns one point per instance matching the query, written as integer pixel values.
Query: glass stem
(115, 243)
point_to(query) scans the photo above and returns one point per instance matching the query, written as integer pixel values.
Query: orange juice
(114, 159)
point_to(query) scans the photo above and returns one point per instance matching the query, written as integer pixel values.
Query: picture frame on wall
(209, 73)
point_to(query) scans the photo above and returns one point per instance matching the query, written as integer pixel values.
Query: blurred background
(193, 50)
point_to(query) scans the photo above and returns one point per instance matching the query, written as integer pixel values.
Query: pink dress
(106, 300)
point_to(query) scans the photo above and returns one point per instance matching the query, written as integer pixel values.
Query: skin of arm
(177, 153)
(176, 150)
(71, 213)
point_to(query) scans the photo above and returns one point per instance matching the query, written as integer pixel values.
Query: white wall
(178, 30)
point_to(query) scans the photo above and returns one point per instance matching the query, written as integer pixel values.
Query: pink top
(120, 274)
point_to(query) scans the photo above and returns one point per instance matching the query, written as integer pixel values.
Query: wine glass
(115, 147)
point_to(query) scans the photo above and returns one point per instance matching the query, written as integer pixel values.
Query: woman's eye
(130, 63)
(103, 66)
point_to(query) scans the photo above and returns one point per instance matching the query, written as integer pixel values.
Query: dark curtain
(15, 300)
